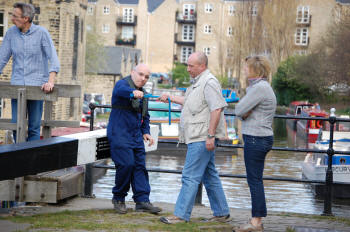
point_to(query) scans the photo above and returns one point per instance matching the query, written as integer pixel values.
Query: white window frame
(303, 15)
(106, 28)
(302, 36)
(206, 51)
(229, 52)
(3, 25)
(128, 15)
(188, 32)
(254, 11)
(127, 32)
(90, 10)
(230, 31)
(1, 107)
(231, 10)
(208, 8)
(302, 52)
(106, 10)
(185, 53)
(207, 29)
(188, 11)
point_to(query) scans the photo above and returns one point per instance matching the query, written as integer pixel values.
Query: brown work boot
(119, 207)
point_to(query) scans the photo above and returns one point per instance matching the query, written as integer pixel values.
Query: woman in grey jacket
(256, 110)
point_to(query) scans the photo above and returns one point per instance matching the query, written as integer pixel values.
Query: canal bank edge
(276, 221)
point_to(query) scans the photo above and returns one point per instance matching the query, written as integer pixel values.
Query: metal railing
(332, 119)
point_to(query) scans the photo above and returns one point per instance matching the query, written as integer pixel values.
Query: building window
(254, 11)
(106, 10)
(231, 10)
(188, 11)
(127, 32)
(1, 106)
(301, 52)
(188, 32)
(229, 31)
(185, 53)
(229, 52)
(2, 24)
(128, 15)
(206, 51)
(303, 14)
(90, 10)
(105, 28)
(301, 36)
(207, 29)
(208, 8)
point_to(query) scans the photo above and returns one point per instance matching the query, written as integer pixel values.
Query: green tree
(286, 84)
(94, 52)
(180, 75)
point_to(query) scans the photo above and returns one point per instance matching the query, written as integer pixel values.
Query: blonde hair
(259, 65)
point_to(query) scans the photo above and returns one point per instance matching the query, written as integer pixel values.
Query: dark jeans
(255, 150)
(35, 111)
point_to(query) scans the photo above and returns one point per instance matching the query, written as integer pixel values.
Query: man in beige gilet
(202, 123)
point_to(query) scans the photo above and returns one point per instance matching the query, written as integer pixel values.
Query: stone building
(168, 31)
(65, 21)
(119, 61)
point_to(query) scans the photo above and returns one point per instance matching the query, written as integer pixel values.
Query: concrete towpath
(276, 221)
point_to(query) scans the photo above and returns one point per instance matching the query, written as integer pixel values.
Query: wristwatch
(211, 136)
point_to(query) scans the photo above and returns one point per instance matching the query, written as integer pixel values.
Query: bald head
(140, 75)
(197, 63)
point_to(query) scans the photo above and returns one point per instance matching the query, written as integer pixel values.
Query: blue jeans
(255, 150)
(34, 110)
(200, 167)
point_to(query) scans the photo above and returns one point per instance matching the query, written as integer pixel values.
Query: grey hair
(202, 58)
(27, 9)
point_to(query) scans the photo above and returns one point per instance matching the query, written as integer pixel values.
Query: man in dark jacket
(127, 130)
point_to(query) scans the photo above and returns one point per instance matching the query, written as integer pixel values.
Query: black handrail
(327, 211)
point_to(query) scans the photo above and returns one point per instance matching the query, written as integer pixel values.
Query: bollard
(88, 181)
(198, 200)
(327, 211)
(92, 107)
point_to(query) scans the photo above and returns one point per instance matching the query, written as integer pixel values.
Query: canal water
(280, 196)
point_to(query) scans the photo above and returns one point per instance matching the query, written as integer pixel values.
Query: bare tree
(261, 27)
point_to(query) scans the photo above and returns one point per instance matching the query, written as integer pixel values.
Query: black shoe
(146, 207)
(225, 218)
(119, 206)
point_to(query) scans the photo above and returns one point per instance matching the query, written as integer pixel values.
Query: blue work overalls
(125, 130)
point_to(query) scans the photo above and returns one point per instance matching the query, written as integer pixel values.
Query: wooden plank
(47, 117)
(68, 90)
(52, 123)
(40, 191)
(6, 124)
(33, 92)
(7, 190)
(21, 116)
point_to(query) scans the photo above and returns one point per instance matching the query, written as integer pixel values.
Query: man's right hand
(164, 97)
(138, 94)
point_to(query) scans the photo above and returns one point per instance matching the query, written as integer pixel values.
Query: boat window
(298, 110)
(305, 107)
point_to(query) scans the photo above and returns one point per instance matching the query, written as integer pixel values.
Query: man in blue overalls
(128, 127)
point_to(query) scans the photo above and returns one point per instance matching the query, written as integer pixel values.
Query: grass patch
(106, 220)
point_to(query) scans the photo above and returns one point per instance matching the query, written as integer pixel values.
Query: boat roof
(314, 112)
(301, 103)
